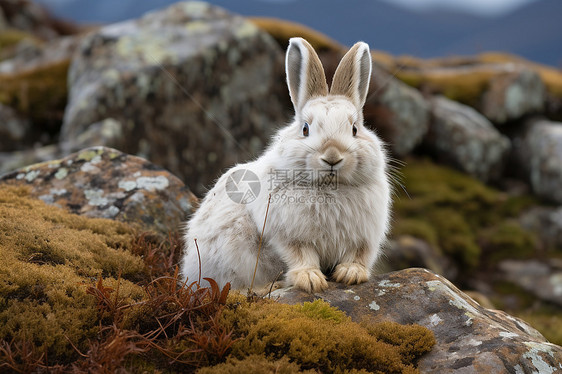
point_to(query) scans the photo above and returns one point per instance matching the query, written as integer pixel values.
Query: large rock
(104, 182)
(470, 339)
(542, 278)
(398, 112)
(461, 136)
(196, 88)
(512, 95)
(539, 151)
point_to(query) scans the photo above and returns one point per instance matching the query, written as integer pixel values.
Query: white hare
(326, 174)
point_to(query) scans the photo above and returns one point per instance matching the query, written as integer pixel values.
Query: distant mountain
(533, 31)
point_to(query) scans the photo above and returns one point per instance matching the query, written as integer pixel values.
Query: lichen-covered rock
(14, 130)
(461, 136)
(106, 183)
(398, 112)
(196, 88)
(512, 95)
(542, 278)
(539, 150)
(470, 339)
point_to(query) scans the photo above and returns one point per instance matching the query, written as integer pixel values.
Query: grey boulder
(195, 88)
(461, 136)
(470, 338)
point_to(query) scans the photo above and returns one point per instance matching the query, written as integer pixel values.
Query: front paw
(351, 273)
(310, 280)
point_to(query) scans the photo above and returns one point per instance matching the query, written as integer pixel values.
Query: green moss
(459, 215)
(410, 341)
(507, 239)
(321, 310)
(257, 364)
(10, 38)
(39, 94)
(314, 337)
(48, 257)
(464, 86)
(455, 235)
(417, 228)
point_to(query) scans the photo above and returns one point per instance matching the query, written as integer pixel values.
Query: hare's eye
(305, 129)
(354, 130)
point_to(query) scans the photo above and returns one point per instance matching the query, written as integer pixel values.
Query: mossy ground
(76, 296)
(472, 223)
(47, 258)
(318, 337)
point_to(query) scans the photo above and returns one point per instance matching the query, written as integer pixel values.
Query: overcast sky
(481, 7)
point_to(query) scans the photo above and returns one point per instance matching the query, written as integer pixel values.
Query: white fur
(331, 230)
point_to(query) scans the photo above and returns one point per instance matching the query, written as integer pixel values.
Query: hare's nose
(331, 161)
(331, 156)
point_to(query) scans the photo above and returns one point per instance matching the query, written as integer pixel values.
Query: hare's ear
(353, 75)
(305, 74)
